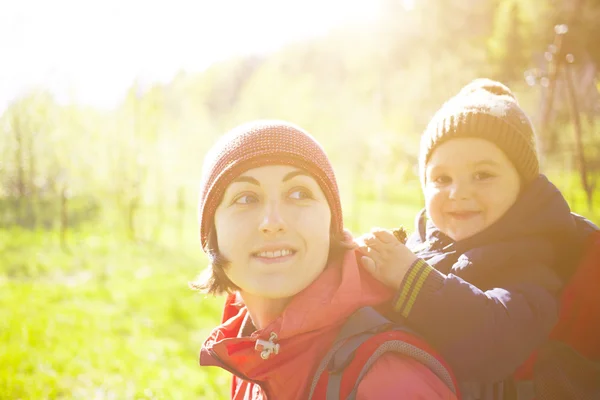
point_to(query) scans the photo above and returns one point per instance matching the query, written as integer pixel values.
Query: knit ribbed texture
(488, 110)
(420, 276)
(257, 144)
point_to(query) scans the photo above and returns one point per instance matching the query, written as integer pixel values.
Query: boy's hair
(214, 280)
(488, 110)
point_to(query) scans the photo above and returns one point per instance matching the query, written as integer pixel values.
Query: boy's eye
(246, 199)
(482, 175)
(442, 180)
(300, 194)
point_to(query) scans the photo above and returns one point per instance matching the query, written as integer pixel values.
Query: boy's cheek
(433, 210)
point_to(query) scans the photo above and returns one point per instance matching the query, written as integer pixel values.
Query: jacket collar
(540, 210)
(302, 334)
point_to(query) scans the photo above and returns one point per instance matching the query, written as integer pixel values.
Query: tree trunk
(181, 210)
(32, 200)
(134, 204)
(64, 217)
(20, 195)
(546, 141)
(588, 187)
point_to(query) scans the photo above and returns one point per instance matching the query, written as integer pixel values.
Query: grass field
(107, 320)
(112, 319)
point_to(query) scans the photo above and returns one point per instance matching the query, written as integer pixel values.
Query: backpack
(364, 337)
(567, 366)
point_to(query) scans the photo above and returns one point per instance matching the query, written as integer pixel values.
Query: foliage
(106, 320)
(98, 234)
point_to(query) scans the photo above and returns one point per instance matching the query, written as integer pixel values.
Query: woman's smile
(274, 254)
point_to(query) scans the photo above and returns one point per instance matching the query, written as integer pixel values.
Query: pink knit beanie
(260, 143)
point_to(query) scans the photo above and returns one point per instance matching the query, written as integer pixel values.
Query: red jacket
(304, 333)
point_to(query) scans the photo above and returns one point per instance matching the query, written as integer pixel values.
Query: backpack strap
(400, 342)
(358, 328)
(365, 337)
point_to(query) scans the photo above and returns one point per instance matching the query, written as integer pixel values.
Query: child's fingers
(373, 252)
(368, 251)
(371, 240)
(385, 236)
(376, 230)
(369, 265)
(360, 241)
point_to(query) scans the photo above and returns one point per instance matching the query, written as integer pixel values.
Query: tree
(508, 47)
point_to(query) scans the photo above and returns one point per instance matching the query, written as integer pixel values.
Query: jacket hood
(540, 219)
(541, 209)
(304, 332)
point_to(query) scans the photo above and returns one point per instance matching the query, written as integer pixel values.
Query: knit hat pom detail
(487, 85)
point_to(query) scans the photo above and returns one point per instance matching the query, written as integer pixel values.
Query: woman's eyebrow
(253, 181)
(293, 174)
(247, 179)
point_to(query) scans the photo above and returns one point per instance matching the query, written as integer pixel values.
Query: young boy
(480, 277)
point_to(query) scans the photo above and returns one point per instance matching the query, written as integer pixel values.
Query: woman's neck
(263, 310)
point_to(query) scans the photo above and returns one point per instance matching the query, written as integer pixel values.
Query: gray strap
(322, 366)
(339, 363)
(334, 385)
(360, 323)
(409, 350)
(359, 327)
(525, 390)
(363, 320)
(343, 356)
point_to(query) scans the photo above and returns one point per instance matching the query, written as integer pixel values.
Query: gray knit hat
(488, 110)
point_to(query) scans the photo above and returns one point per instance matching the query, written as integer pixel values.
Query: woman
(271, 224)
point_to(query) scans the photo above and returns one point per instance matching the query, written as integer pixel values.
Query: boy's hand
(385, 257)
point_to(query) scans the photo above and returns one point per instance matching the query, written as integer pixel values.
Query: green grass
(107, 320)
(396, 207)
(113, 319)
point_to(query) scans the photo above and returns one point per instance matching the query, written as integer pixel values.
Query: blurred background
(107, 109)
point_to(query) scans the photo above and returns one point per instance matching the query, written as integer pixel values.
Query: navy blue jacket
(486, 302)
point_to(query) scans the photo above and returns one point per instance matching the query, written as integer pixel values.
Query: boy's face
(470, 184)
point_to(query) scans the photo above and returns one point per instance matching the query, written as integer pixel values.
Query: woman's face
(273, 225)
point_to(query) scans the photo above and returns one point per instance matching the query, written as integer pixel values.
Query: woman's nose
(272, 221)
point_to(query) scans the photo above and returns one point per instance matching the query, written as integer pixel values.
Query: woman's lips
(274, 260)
(274, 255)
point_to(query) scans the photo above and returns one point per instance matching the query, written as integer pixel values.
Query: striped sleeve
(420, 276)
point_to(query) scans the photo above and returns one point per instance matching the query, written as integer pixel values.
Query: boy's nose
(460, 191)
(272, 221)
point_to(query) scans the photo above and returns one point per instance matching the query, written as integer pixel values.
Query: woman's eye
(245, 199)
(300, 194)
(481, 176)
